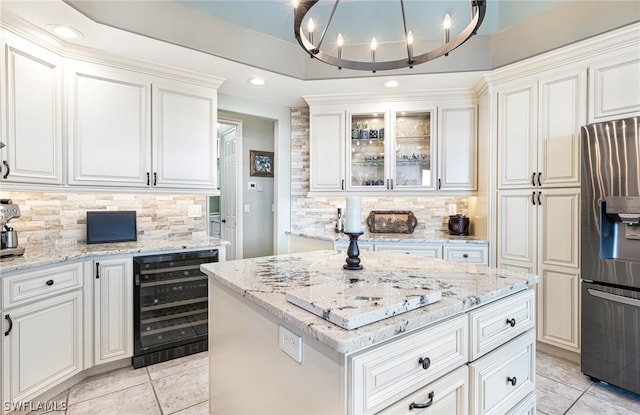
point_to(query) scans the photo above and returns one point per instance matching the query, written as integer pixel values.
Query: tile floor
(180, 387)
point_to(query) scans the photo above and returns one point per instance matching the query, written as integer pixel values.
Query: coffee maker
(9, 242)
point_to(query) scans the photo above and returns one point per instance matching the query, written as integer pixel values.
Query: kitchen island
(473, 351)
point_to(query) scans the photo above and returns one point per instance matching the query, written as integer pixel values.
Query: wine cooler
(170, 306)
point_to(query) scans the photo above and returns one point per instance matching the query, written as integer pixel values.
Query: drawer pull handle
(49, 283)
(512, 381)
(8, 318)
(422, 405)
(511, 322)
(425, 362)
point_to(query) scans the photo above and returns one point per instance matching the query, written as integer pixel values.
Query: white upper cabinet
(404, 146)
(109, 126)
(184, 135)
(562, 100)
(517, 135)
(327, 150)
(113, 142)
(457, 145)
(614, 82)
(539, 131)
(31, 114)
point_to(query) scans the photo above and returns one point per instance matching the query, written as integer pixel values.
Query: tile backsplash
(316, 214)
(61, 217)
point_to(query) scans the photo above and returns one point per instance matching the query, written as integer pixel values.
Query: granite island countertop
(46, 253)
(265, 281)
(415, 237)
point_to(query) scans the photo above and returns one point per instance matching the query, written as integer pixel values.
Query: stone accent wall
(60, 218)
(316, 214)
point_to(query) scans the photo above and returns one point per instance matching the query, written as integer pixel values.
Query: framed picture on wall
(261, 163)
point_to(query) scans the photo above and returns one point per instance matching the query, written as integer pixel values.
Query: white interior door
(230, 134)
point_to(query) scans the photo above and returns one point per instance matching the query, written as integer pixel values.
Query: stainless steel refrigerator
(610, 252)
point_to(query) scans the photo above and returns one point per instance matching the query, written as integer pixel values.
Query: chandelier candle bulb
(354, 212)
(374, 45)
(410, 45)
(340, 43)
(310, 28)
(446, 24)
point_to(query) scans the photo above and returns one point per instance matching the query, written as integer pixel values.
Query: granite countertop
(415, 237)
(44, 253)
(265, 281)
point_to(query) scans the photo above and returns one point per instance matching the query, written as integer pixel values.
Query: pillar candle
(354, 209)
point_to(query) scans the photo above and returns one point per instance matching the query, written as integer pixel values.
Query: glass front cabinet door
(412, 166)
(391, 150)
(368, 167)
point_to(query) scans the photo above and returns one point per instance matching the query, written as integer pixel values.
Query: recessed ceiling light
(391, 84)
(257, 81)
(65, 31)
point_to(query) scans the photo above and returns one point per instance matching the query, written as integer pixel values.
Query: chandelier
(315, 50)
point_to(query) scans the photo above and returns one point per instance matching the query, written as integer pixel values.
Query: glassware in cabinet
(367, 150)
(413, 150)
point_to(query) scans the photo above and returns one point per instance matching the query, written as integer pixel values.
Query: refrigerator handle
(614, 297)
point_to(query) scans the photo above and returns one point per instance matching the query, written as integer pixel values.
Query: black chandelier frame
(478, 10)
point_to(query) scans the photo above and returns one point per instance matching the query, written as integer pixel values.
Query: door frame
(239, 183)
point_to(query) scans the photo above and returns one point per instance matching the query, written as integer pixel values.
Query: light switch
(259, 187)
(247, 208)
(251, 185)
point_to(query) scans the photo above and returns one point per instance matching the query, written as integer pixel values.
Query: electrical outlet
(195, 211)
(291, 344)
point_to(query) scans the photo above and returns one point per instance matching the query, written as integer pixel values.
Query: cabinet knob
(425, 362)
(512, 381)
(427, 404)
(465, 255)
(49, 283)
(511, 322)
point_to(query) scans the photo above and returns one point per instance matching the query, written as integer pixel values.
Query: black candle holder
(353, 253)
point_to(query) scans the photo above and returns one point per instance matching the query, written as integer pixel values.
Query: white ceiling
(169, 33)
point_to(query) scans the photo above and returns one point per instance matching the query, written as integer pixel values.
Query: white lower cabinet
(113, 309)
(477, 253)
(379, 376)
(482, 362)
(42, 346)
(427, 250)
(503, 378)
(471, 255)
(447, 395)
(43, 327)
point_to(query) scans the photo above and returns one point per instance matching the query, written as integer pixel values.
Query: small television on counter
(111, 226)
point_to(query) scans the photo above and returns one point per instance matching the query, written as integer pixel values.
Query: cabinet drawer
(343, 246)
(447, 395)
(497, 323)
(501, 379)
(380, 375)
(475, 255)
(32, 285)
(527, 406)
(429, 251)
